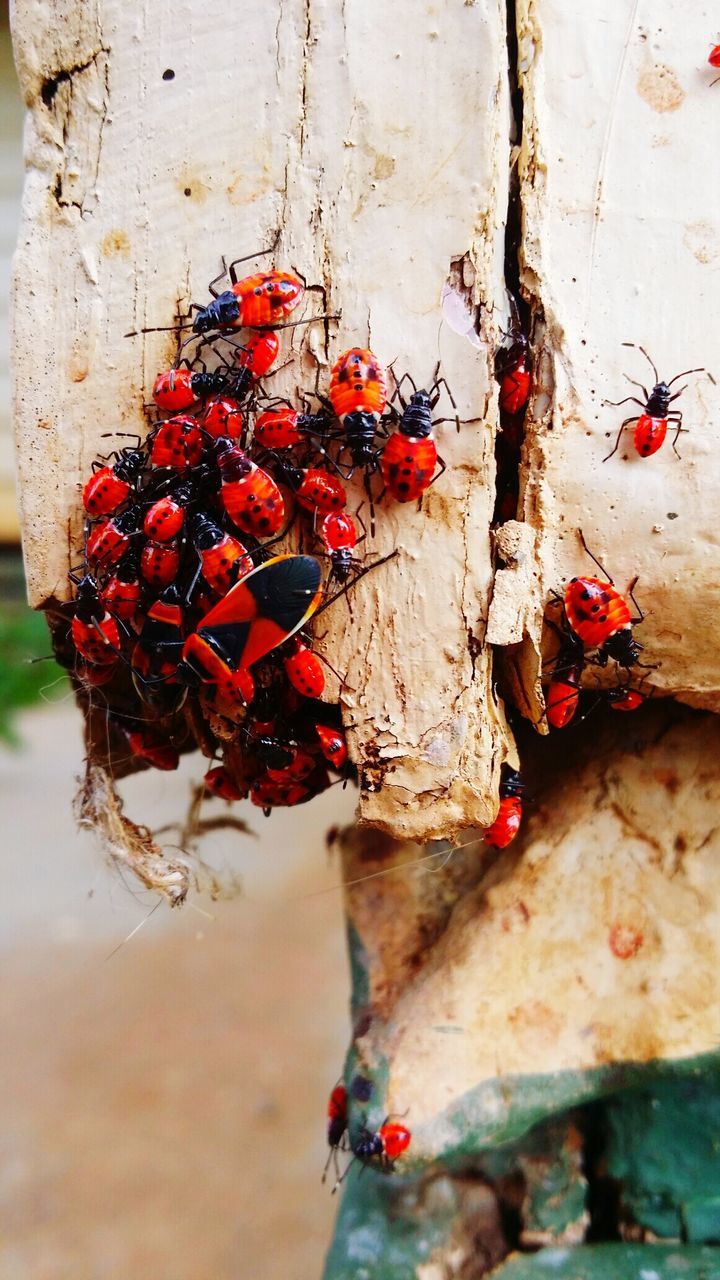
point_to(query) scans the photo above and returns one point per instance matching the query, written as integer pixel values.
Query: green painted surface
(664, 1146)
(497, 1112)
(360, 986)
(613, 1262)
(378, 1233)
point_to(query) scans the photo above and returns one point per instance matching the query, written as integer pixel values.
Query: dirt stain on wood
(660, 88)
(115, 244)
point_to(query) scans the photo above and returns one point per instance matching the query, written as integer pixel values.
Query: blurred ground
(163, 1107)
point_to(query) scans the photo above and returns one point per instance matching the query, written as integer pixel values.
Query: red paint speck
(625, 940)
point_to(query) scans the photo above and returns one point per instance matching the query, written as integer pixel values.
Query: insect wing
(265, 608)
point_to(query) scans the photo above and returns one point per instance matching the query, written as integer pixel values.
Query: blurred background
(163, 1103)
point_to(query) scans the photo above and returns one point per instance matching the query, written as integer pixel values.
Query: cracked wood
(377, 146)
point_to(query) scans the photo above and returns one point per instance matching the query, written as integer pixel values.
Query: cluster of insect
(184, 614)
(595, 625)
(378, 1149)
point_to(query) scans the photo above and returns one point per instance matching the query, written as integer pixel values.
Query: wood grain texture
(373, 139)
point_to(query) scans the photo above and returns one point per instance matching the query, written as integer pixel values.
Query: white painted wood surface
(374, 139)
(622, 244)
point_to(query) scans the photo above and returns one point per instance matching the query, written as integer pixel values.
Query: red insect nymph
(600, 616)
(95, 632)
(304, 671)
(248, 493)
(177, 443)
(109, 487)
(410, 456)
(264, 298)
(509, 816)
(651, 425)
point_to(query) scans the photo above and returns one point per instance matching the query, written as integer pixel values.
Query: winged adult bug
(714, 60)
(652, 423)
(261, 612)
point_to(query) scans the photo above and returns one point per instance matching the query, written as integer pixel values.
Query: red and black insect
(509, 816)
(623, 698)
(304, 670)
(652, 424)
(156, 656)
(714, 60)
(358, 396)
(380, 1148)
(95, 632)
(340, 537)
(177, 443)
(223, 559)
(111, 485)
(562, 696)
(255, 358)
(271, 793)
(121, 593)
(110, 538)
(285, 427)
(180, 387)
(166, 517)
(219, 781)
(150, 747)
(223, 416)
(264, 298)
(337, 1119)
(600, 616)
(333, 745)
(261, 612)
(248, 493)
(300, 765)
(160, 563)
(513, 367)
(315, 490)
(409, 457)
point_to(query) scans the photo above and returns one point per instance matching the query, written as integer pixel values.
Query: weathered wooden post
(387, 148)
